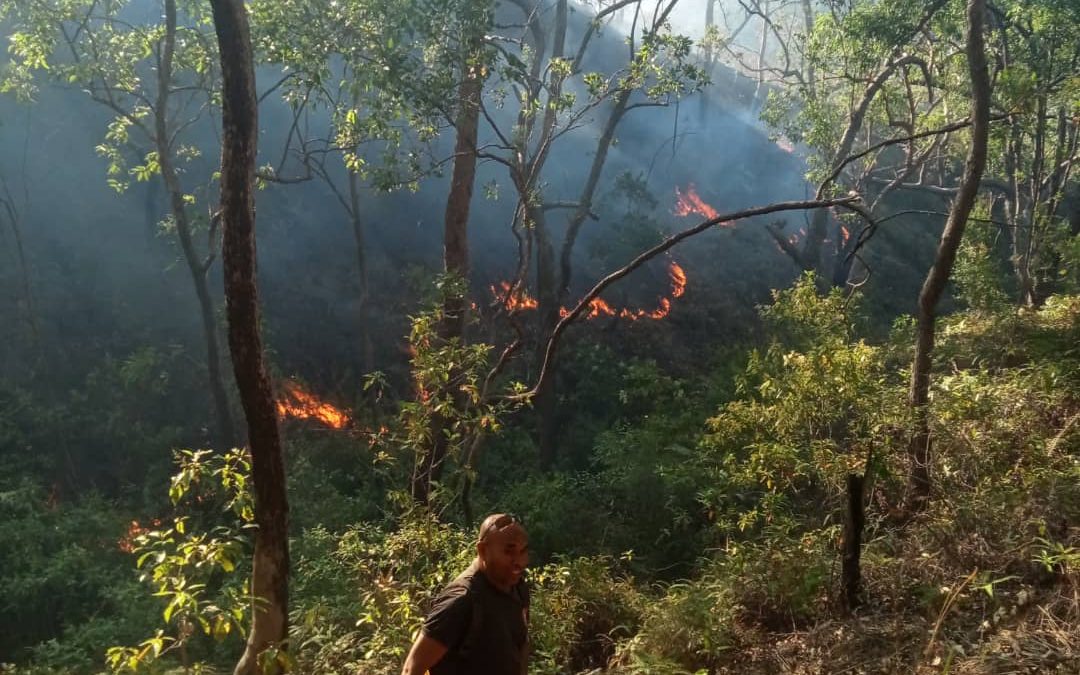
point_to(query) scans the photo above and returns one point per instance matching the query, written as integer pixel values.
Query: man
(479, 623)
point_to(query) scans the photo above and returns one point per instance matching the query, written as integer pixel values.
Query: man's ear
(480, 546)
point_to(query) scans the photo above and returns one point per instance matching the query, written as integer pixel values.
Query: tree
(355, 62)
(556, 96)
(239, 140)
(158, 81)
(473, 70)
(1037, 53)
(884, 56)
(391, 76)
(951, 237)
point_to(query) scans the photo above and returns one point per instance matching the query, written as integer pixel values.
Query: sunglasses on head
(504, 520)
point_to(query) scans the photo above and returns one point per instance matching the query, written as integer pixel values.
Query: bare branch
(664, 246)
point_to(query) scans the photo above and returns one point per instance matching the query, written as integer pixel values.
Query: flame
(298, 403)
(784, 144)
(514, 302)
(598, 307)
(845, 234)
(678, 279)
(690, 203)
(685, 204)
(134, 531)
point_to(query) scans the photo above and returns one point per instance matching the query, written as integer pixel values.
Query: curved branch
(948, 128)
(662, 247)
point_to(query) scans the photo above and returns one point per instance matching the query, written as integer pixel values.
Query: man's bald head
(498, 524)
(502, 547)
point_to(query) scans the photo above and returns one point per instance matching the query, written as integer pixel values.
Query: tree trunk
(270, 566)
(455, 252)
(7, 208)
(547, 297)
(853, 529)
(367, 356)
(810, 75)
(196, 266)
(710, 21)
(762, 46)
(920, 449)
(810, 259)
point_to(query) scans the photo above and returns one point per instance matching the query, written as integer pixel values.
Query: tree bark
(919, 451)
(429, 466)
(367, 355)
(270, 567)
(8, 209)
(853, 529)
(198, 269)
(548, 316)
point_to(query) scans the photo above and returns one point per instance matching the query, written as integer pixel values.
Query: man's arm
(425, 653)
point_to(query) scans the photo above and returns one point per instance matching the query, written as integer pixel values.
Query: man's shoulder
(466, 581)
(462, 590)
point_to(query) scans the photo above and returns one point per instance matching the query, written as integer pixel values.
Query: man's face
(504, 554)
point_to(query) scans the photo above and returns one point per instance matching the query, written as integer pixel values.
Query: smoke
(107, 279)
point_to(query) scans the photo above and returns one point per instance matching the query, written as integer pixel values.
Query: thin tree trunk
(710, 21)
(270, 566)
(195, 264)
(8, 204)
(455, 254)
(920, 449)
(548, 316)
(810, 258)
(762, 46)
(367, 357)
(810, 75)
(853, 530)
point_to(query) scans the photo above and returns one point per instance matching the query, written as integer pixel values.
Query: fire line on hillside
(686, 203)
(520, 300)
(298, 403)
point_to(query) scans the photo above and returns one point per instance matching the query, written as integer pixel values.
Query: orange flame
(685, 204)
(845, 234)
(784, 144)
(598, 307)
(690, 203)
(678, 279)
(515, 302)
(134, 531)
(298, 403)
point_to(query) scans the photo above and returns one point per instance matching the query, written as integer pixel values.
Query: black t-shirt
(483, 628)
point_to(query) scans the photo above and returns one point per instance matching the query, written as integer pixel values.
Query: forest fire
(678, 279)
(300, 404)
(689, 202)
(134, 531)
(598, 307)
(514, 302)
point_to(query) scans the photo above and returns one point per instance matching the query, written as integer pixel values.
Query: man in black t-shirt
(479, 623)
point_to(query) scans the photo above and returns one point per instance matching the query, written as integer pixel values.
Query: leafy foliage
(197, 564)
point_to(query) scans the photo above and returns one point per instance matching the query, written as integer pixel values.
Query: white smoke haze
(100, 252)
